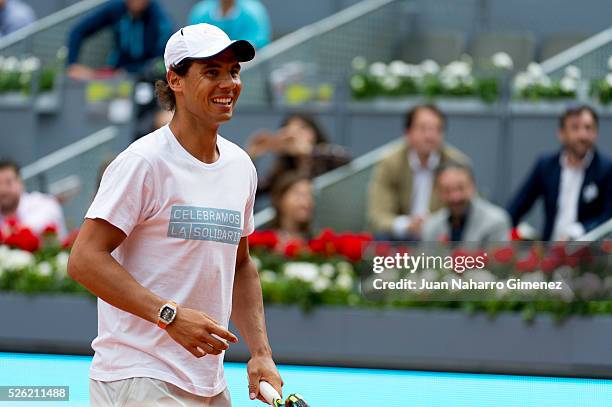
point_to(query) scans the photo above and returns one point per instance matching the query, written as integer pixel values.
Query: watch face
(166, 314)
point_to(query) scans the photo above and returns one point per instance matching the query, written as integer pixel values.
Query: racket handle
(269, 393)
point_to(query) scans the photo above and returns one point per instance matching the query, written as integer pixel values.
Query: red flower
(352, 246)
(606, 246)
(515, 235)
(324, 243)
(50, 229)
(68, 241)
(550, 263)
(504, 255)
(24, 239)
(293, 248)
(263, 238)
(528, 263)
(12, 222)
(382, 249)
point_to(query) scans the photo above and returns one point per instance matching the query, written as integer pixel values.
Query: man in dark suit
(575, 182)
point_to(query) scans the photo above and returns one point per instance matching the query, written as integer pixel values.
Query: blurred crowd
(141, 29)
(424, 190)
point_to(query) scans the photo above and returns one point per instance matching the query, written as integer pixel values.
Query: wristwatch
(167, 313)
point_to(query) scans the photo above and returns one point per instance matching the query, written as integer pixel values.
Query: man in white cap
(164, 244)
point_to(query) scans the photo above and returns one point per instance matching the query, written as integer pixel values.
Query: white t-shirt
(183, 220)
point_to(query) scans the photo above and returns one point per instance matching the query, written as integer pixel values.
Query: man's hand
(262, 368)
(80, 72)
(416, 225)
(194, 330)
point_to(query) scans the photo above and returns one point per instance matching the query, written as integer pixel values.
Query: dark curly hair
(165, 95)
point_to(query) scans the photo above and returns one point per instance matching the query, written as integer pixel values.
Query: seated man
(575, 182)
(33, 210)
(140, 29)
(464, 217)
(246, 19)
(400, 195)
(14, 14)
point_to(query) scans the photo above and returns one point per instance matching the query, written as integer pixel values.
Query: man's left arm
(248, 317)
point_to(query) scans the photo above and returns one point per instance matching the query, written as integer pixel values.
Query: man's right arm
(92, 266)
(91, 24)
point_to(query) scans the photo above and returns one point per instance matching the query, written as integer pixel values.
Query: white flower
(535, 70)
(458, 68)
(535, 277)
(10, 64)
(321, 284)
(359, 63)
(430, 67)
(610, 63)
(15, 259)
(502, 60)
(589, 285)
(449, 81)
(61, 262)
(429, 275)
(480, 276)
(357, 82)
(301, 271)
(398, 68)
(344, 281)
(522, 81)
(569, 84)
(607, 284)
(544, 80)
(344, 267)
(378, 69)
(44, 269)
(256, 261)
(267, 276)
(572, 71)
(390, 82)
(30, 64)
(609, 79)
(467, 59)
(327, 270)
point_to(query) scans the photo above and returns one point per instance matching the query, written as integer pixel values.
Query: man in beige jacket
(401, 191)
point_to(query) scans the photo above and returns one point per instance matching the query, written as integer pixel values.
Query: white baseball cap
(203, 41)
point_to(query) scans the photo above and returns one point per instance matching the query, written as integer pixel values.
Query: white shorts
(145, 391)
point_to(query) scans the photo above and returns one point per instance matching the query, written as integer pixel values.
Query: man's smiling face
(212, 86)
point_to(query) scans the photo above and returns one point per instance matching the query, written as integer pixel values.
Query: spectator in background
(33, 210)
(293, 202)
(14, 14)
(575, 182)
(247, 19)
(464, 216)
(140, 29)
(153, 121)
(401, 190)
(300, 145)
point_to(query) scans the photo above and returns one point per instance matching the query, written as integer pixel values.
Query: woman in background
(300, 146)
(293, 202)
